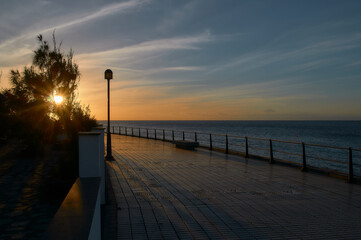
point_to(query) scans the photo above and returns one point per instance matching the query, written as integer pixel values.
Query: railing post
(271, 151)
(163, 135)
(246, 147)
(304, 165)
(132, 133)
(226, 143)
(350, 166)
(147, 133)
(210, 141)
(113, 129)
(195, 137)
(138, 132)
(173, 135)
(155, 133)
(183, 136)
(119, 132)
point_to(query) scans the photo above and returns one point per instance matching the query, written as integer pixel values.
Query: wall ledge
(76, 216)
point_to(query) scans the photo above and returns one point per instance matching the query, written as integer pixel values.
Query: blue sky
(200, 59)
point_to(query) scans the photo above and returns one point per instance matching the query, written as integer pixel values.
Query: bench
(186, 144)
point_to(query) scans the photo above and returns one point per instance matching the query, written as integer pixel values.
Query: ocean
(345, 134)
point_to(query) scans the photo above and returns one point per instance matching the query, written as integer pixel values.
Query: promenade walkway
(167, 193)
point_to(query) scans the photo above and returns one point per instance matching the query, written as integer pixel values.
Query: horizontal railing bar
(237, 145)
(295, 154)
(325, 159)
(282, 141)
(263, 139)
(319, 145)
(235, 136)
(264, 149)
(204, 133)
(219, 134)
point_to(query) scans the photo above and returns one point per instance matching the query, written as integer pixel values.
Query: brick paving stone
(163, 192)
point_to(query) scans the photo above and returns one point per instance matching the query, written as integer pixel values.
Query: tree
(30, 101)
(5, 121)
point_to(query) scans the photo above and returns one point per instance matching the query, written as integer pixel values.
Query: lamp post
(108, 74)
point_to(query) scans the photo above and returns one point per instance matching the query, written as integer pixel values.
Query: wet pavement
(163, 192)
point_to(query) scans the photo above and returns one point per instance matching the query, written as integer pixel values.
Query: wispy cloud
(177, 16)
(264, 90)
(182, 68)
(103, 12)
(160, 70)
(82, 18)
(189, 42)
(355, 64)
(138, 52)
(319, 49)
(310, 65)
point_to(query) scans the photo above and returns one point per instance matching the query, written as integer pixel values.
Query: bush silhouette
(28, 109)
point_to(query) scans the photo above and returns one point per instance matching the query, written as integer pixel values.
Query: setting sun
(58, 99)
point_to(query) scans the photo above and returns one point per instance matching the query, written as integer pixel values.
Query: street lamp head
(108, 74)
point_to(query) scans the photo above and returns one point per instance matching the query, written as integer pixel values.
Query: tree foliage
(28, 109)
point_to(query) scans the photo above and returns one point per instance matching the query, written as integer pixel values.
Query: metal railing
(300, 154)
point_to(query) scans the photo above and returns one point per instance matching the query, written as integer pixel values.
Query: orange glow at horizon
(137, 99)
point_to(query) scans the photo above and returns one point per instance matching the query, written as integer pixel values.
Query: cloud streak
(159, 45)
(103, 12)
(261, 58)
(176, 17)
(149, 49)
(85, 17)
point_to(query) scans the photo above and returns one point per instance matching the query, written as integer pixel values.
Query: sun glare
(58, 99)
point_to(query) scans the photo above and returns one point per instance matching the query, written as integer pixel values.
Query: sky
(199, 59)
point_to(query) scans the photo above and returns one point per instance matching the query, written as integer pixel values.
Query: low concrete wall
(79, 215)
(101, 160)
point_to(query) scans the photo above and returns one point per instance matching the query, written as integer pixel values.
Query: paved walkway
(167, 193)
(27, 201)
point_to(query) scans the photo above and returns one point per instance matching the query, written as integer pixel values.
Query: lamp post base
(109, 158)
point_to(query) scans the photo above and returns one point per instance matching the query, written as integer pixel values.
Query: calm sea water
(330, 133)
